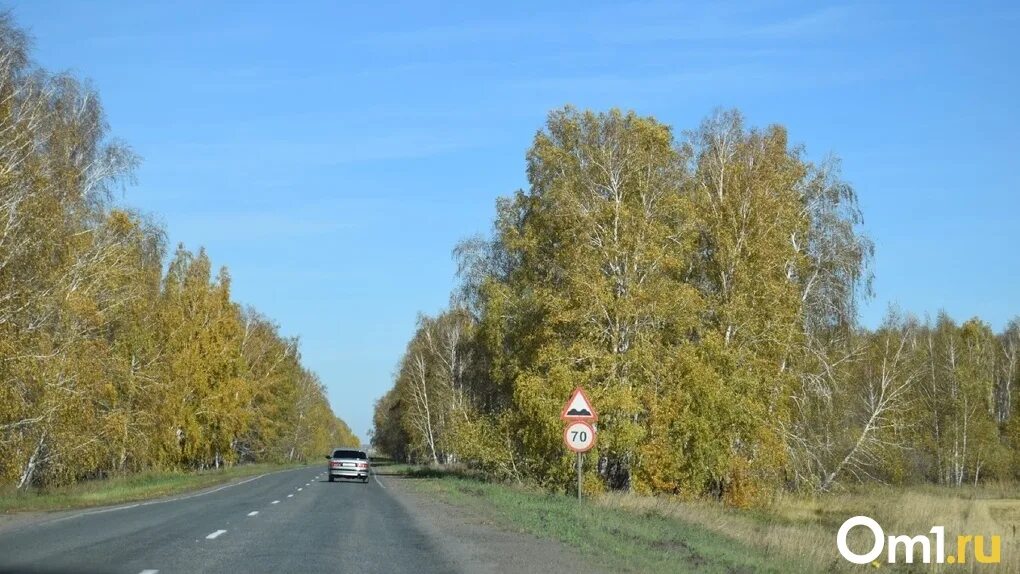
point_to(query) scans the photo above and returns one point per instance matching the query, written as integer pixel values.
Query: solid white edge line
(216, 534)
(151, 502)
(377, 481)
(253, 513)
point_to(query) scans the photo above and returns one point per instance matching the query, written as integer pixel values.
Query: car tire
(331, 479)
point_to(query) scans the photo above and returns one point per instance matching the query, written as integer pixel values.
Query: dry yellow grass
(805, 526)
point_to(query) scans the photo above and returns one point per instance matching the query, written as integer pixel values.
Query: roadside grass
(387, 467)
(621, 539)
(807, 525)
(795, 534)
(129, 488)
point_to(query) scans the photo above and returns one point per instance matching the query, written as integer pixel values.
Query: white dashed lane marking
(149, 572)
(300, 489)
(215, 534)
(253, 513)
(290, 496)
(275, 502)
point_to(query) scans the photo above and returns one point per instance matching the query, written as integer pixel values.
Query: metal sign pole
(579, 476)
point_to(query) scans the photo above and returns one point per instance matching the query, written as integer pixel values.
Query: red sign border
(594, 413)
(594, 436)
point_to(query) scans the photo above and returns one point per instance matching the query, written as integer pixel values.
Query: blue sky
(332, 153)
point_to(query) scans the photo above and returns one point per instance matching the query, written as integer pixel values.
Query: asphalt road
(290, 521)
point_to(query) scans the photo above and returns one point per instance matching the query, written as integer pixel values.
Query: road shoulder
(473, 542)
(12, 521)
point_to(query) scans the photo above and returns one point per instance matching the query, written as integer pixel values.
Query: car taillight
(362, 465)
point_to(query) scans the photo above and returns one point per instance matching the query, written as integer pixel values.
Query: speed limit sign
(579, 436)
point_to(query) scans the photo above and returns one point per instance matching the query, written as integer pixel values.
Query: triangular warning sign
(579, 408)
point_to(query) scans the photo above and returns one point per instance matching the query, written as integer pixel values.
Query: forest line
(704, 289)
(112, 361)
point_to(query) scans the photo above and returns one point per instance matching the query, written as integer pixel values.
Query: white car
(348, 463)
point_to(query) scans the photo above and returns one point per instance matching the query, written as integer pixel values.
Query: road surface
(289, 521)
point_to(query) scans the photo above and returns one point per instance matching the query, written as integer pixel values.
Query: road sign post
(579, 434)
(579, 476)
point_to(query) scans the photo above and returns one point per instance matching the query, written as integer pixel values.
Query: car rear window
(350, 454)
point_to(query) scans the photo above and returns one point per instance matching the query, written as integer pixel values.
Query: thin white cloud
(612, 83)
(256, 153)
(747, 78)
(630, 24)
(256, 225)
(818, 23)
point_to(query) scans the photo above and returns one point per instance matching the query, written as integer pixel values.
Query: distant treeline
(704, 290)
(108, 364)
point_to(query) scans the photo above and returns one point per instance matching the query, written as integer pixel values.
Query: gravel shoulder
(474, 542)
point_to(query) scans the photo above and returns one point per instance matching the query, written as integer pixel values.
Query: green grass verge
(141, 486)
(386, 467)
(630, 541)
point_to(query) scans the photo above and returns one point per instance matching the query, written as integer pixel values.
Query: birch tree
(1008, 374)
(870, 418)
